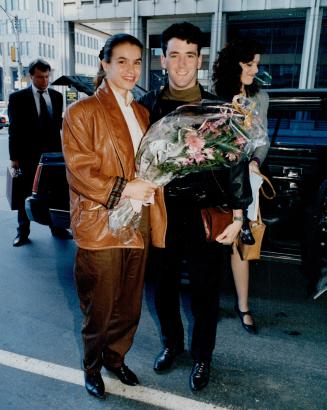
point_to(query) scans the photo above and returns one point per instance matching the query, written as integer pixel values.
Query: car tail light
(37, 179)
(2, 120)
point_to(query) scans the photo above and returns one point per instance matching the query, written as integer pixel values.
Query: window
(321, 73)
(298, 127)
(25, 48)
(23, 23)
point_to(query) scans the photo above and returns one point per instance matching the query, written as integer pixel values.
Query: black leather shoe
(20, 240)
(165, 359)
(94, 385)
(61, 233)
(252, 329)
(199, 376)
(124, 374)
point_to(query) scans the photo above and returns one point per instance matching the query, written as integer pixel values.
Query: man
(35, 115)
(181, 46)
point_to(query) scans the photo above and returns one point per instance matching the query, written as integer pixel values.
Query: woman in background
(234, 73)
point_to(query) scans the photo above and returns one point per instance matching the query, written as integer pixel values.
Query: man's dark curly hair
(182, 31)
(39, 64)
(227, 71)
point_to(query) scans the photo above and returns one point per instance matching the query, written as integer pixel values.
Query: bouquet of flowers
(193, 138)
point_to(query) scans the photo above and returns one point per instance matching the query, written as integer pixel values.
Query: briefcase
(14, 188)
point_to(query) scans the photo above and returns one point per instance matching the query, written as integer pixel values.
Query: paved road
(284, 367)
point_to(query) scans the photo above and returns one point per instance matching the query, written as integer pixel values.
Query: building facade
(30, 29)
(294, 32)
(70, 33)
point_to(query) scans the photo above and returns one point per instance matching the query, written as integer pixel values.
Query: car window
(297, 127)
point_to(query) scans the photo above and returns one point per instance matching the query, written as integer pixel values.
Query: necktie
(44, 112)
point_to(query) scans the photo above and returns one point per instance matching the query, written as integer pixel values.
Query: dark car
(296, 164)
(4, 120)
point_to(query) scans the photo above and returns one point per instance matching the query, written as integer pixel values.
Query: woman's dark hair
(227, 71)
(183, 31)
(106, 52)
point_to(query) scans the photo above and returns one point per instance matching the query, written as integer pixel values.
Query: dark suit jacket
(27, 141)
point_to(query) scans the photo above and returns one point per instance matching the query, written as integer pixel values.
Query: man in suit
(35, 115)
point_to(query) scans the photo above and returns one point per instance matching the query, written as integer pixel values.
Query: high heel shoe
(252, 329)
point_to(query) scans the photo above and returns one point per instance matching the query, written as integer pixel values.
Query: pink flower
(240, 140)
(208, 152)
(231, 156)
(198, 157)
(193, 141)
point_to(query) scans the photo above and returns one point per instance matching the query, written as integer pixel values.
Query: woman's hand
(253, 166)
(139, 189)
(230, 233)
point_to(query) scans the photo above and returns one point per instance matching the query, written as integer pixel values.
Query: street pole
(16, 29)
(6, 78)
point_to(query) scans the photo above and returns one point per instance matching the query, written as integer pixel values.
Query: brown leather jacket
(99, 157)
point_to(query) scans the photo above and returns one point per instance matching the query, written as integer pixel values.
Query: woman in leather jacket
(101, 135)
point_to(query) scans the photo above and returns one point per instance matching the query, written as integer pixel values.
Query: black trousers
(28, 172)
(186, 239)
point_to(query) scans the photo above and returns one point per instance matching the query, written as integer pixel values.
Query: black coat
(27, 140)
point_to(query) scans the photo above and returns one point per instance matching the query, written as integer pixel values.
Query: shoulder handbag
(215, 220)
(250, 252)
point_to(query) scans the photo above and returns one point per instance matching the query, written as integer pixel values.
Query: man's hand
(139, 189)
(14, 164)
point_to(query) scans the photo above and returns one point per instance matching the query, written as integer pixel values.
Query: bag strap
(264, 193)
(259, 219)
